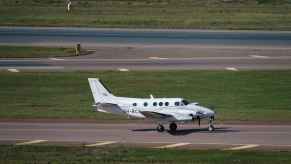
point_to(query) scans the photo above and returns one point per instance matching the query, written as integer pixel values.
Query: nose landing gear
(210, 125)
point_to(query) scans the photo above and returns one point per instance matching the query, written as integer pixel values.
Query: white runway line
(231, 69)
(101, 144)
(31, 142)
(56, 59)
(157, 58)
(173, 145)
(259, 56)
(243, 147)
(13, 70)
(123, 69)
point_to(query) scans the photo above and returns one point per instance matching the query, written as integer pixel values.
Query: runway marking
(173, 145)
(101, 144)
(31, 142)
(243, 147)
(157, 58)
(123, 69)
(13, 70)
(259, 56)
(57, 59)
(231, 69)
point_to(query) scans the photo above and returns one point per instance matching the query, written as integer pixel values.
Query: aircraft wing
(156, 115)
(172, 116)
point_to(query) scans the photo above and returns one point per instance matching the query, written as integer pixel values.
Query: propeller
(199, 120)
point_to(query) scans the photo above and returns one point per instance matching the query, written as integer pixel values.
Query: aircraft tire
(160, 128)
(211, 128)
(173, 127)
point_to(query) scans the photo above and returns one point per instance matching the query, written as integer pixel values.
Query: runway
(148, 49)
(225, 136)
(200, 63)
(91, 36)
(143, 49)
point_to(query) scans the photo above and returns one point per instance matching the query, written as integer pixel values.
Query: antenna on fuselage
(151, 96)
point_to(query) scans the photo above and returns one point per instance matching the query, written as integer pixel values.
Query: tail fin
(100, 92)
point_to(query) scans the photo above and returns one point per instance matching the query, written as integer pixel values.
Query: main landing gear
(173, 127)
(160, 128)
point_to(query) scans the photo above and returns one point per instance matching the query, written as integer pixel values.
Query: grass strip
(210, 14)
(236, 96)
(76, 154)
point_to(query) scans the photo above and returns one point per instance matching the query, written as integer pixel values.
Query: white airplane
(163, 110)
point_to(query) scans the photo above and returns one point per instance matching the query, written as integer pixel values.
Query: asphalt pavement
(225, 136)
(145, 49)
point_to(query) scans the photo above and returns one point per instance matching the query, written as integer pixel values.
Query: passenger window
(160, 103)
(134, 104)
(177, 103)
(167, 103)
(155, 104)
(145, 104)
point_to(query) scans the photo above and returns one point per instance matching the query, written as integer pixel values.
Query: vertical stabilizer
(100, 93)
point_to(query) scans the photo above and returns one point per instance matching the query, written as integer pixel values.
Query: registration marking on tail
(101, 143)
(243, 147)
(173, 145)
(31, 142)
(13, 70)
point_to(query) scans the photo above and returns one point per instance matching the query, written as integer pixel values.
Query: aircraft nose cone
(209, 112)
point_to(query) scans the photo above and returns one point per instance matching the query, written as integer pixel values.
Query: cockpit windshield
(185, 102)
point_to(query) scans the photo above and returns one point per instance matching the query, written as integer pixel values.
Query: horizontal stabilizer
(110, 108)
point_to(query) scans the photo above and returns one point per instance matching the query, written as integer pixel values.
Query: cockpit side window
(185, 102)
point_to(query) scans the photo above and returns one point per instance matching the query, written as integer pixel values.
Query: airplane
(163, 110)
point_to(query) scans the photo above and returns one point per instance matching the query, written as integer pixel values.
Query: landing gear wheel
(160, 128)
(211, 128)
(173, 127)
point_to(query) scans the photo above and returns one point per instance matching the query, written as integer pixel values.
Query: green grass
(198, 14)
(34, 52)
(124, 155)
(236, 96)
